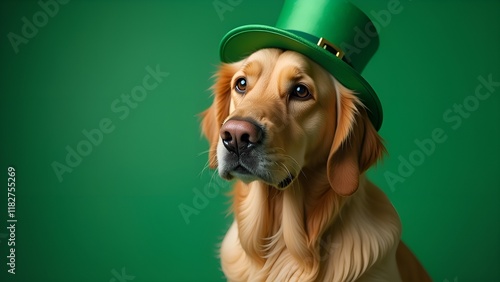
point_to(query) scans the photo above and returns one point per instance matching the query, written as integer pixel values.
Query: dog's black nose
(239, 136)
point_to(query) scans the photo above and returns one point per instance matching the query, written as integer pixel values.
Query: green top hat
(333, 33)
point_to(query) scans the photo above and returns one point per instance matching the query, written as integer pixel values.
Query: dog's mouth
(239, 169)
(246, 175)
(285, 182)
(241, 172)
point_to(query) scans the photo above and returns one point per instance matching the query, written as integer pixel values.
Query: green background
(118, 210)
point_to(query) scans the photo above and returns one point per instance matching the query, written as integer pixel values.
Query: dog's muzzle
(245, 156)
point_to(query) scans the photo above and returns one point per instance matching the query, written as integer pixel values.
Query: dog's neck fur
(288, 235)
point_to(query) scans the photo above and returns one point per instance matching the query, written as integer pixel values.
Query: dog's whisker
(207, 164)
(295, 164)
(206, 152)
(285, 167)
(215, 173)
(205, 167)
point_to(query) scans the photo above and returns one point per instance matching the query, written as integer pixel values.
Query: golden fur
(330, 223)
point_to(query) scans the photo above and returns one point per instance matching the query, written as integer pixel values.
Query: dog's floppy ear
(214, 116)
(356, 144)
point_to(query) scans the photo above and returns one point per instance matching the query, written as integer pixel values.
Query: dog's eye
(301, 92)
(241, 85)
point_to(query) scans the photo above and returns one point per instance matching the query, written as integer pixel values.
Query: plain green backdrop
(117, 215)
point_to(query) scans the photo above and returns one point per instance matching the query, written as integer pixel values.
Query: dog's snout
(239, 136)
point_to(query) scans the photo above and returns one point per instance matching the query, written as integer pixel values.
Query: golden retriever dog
(298, 142)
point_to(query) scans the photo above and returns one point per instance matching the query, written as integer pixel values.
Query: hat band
(322, 43)
(330, 47)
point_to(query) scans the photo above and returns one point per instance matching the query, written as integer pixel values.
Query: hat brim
(243, 41)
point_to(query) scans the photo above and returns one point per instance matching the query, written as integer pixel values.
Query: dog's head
(277, 113)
